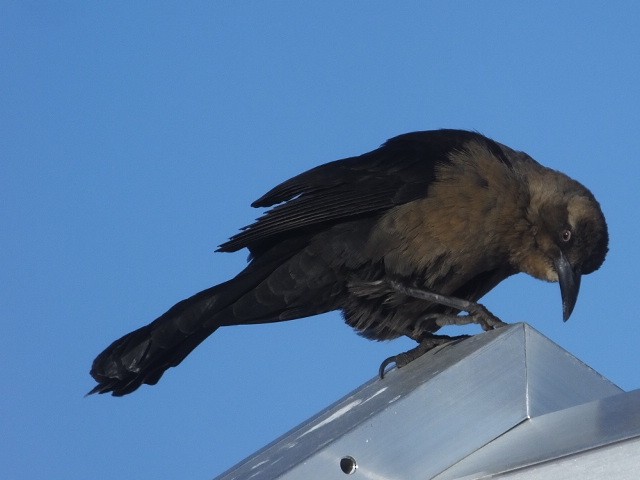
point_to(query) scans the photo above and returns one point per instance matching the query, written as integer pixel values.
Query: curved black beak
(569, 285)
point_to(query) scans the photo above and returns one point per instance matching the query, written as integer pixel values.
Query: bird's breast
(465, 225)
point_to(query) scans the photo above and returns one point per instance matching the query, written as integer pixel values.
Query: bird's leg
(428, 342)
(477, 313)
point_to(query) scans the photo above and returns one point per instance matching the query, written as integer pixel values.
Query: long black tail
(143, 355)
(273, 287)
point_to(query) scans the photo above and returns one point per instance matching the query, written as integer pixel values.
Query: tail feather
(143, 355)
(272, 288)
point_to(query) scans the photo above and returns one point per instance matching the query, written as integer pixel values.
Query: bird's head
(567, 234)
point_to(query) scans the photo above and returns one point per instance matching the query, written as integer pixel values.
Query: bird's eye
(565, 235)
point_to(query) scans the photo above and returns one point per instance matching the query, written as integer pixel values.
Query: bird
(403, 240)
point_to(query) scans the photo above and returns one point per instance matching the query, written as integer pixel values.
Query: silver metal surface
(617, 461)
(556, 435)
(559, 380)
(431, 415)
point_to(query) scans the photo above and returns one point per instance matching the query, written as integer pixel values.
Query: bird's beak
(569, 285)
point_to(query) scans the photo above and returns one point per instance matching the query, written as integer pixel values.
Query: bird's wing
(398, 172)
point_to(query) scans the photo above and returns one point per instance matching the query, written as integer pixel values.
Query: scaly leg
(428, 342)
(476, 313)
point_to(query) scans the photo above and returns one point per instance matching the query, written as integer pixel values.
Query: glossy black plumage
(447, 211)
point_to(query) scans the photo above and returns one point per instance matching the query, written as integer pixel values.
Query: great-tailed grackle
(401, 240)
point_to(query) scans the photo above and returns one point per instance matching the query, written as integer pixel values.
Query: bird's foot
(428, 343)
(477, 313)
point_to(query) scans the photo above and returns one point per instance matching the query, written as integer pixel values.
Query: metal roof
(508, 403)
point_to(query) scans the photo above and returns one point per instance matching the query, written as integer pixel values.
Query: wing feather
(398, 172)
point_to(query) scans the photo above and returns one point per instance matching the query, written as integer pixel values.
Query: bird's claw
(477, 313)
(386, 362)
(402, 359)
(486, 319)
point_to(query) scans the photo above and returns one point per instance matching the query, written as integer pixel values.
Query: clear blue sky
(134, 136)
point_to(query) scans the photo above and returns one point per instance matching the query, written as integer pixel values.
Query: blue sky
(135, 136)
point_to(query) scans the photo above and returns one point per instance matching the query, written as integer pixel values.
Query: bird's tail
(143, 355)
(271, 288)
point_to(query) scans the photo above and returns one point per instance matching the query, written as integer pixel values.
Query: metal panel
(556, 435)
(431, 414)
(559, 380)
(618, 461)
